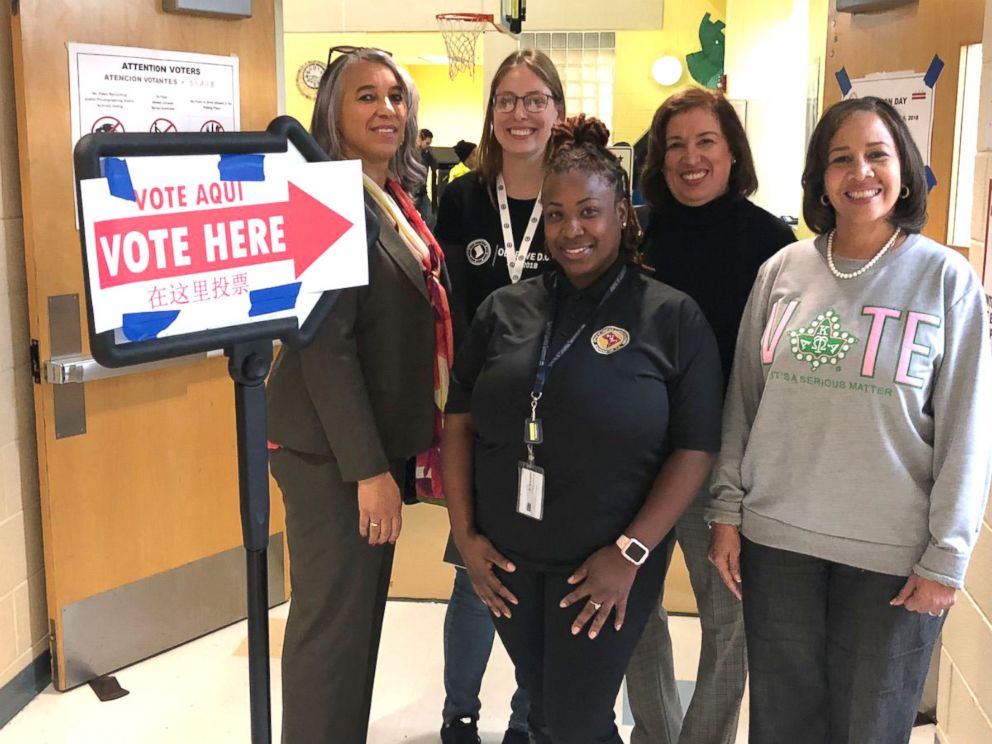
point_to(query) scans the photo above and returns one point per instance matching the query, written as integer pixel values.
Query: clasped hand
(605, 578)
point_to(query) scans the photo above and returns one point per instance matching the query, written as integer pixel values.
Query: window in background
(965, 146)
(585, 61)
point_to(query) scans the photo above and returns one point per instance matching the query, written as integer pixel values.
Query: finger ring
(933, 614)
(373, 524)
(595, 605)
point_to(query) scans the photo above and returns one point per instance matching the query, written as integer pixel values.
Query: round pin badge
(478, 252)
(610, 339)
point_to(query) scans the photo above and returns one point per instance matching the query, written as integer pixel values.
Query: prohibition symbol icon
(162, 125)
(212, 125)
(107, 124)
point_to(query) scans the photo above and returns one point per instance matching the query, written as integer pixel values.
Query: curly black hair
(579, 144)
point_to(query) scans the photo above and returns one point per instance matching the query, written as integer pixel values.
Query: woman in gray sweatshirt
(855, 460)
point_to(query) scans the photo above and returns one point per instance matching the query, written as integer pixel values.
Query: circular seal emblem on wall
(308, 78)
(478, 251)
(610, 339)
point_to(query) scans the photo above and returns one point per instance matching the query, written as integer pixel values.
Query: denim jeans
(468, 641)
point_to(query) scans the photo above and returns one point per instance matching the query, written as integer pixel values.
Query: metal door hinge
(35, 362)
(15, 7)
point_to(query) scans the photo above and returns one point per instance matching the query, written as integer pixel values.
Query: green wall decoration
(706, 66)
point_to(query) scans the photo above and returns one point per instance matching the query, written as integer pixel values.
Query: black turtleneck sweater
(712, 253)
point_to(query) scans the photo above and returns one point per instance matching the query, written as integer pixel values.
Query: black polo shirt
(610, 419)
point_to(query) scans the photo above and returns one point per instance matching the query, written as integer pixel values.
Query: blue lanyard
(543, 365)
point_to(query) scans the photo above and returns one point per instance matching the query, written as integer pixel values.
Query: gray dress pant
(715, 706)
(339, 585)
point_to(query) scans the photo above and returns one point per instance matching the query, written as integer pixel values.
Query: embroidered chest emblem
(823, 341)
(610, 339)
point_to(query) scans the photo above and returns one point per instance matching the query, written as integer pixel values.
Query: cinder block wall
(964, 693)
(23, 623)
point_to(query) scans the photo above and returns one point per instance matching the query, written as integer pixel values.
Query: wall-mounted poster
(126, 89)
(911, 96)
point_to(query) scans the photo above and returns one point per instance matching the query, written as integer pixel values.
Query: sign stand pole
(248, 365)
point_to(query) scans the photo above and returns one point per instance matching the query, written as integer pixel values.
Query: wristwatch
(633, 549)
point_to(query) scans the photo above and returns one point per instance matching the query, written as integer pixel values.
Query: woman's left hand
(923, 595)
(605, 578)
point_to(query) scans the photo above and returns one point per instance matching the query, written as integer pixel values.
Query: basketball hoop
(460, 32)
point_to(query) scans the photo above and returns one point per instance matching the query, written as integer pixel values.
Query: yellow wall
(636, 94)
(452, 109)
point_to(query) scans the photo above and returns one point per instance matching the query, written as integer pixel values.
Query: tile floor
(198, 692)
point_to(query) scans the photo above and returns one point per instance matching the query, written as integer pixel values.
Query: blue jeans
(468, 641)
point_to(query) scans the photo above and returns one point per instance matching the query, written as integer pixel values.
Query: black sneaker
(516, 736)
(460, 731)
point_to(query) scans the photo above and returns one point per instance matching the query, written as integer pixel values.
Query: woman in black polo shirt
(489, 225)
(615, 380)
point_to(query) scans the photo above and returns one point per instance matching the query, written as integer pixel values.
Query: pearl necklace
(863, 269)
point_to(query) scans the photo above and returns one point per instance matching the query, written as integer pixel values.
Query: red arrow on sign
(138, 249)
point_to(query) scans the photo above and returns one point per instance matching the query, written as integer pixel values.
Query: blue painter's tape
(931, 178)
(933, 72)
(145, 326)
(242, 167)
(843, 80)
(273, 299)
(118, 178)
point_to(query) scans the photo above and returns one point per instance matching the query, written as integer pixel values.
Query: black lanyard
(533, 430)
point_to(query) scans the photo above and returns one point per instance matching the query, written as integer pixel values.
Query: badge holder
(530, 480)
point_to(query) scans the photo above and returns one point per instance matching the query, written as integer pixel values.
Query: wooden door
(907, 38)
(140, 511)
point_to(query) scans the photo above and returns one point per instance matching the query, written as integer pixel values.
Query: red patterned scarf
(429, 487)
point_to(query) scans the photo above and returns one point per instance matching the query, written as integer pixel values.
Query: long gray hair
(406, 164)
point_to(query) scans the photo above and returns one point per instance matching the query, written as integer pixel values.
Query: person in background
(351, 412)
(704, 237)
(466, 162)
(422, 198)
(585, 409)
(855, 464)
(489, 225)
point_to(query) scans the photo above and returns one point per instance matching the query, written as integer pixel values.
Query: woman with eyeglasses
(356, 412)
(584, 415)
(489, 224)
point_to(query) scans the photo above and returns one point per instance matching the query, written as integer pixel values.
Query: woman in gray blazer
(354, 415)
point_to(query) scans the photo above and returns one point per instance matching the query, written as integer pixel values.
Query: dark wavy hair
(909, 213)
(406, 164)
(743, 179)
(490, 153)
(579, 144)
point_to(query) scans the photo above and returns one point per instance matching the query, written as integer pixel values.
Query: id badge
(530, 491)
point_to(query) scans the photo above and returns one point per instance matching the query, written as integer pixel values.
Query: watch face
(636, 552)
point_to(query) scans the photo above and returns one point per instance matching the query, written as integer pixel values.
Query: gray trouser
(654, 696)
(339, 584)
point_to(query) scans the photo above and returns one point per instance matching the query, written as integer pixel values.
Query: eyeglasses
(346, 49)
(534, 103)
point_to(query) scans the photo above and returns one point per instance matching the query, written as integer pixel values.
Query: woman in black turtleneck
(705, 238)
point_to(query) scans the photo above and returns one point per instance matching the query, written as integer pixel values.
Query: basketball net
(460, 32)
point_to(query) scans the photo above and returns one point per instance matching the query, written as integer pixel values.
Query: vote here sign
(180, 244)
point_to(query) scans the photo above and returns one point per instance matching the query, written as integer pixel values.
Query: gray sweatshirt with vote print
(858, 421)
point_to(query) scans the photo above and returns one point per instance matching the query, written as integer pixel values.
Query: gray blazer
(362, 392)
